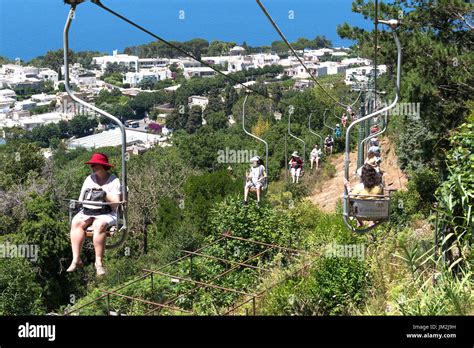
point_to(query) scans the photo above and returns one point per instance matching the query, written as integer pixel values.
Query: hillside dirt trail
(326, 195)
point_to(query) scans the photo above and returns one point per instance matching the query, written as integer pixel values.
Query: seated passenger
(255, 178)
(328, 144)
(344, 120)
(369, 187)
(296, 166)
(337, 131)
(316, 154)
(100, 186)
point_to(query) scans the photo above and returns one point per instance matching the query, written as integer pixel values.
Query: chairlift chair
(264, 180)
(367, 207)
(300, 140)
(117, 234)
(321, 142)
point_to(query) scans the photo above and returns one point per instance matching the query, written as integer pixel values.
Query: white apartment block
(124, 60)
(148, 63)
(156, 74)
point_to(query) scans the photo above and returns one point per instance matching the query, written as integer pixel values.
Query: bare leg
(78, 235)
(100, 227)
(246, 193)
(258, 194)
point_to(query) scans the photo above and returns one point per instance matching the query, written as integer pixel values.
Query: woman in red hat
(100, 186)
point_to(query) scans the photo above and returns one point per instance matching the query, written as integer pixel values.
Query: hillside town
(31, 96)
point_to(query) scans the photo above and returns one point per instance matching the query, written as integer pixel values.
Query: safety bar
(98, 204)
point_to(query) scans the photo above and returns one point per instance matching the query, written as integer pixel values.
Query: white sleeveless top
(257, 172)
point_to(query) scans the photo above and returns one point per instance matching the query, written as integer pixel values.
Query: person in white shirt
(316, 154)
(100, 186)
(255, 178)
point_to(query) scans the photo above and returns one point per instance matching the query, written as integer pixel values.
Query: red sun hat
(101, 159)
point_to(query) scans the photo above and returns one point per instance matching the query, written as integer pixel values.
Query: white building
(185, 63)
(198, 100)
(43, 98)
(361, 74)
(25, 105)
(29, 123)
(351, 62)
(6, 104)
(17, 76)
(7, 93)
(303, 84)
(237, 51)
(294, 69)
(48, 75)
(155, 74)
(147, 63)
(113, 137)
(334, 68)
(198, 72)
(124, 60)
(263, 59)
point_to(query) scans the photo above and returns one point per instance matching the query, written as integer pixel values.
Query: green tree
(45, 227)
(82, 125)
(20, 293)
(19, 162)
(217, 120)
(194, 121)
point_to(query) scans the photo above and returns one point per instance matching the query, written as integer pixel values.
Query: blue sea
(29, 28)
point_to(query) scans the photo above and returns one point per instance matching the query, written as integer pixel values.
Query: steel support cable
(275, 26)
(179, 49)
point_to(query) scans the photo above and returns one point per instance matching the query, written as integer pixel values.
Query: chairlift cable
(275, 26)
(179, 49)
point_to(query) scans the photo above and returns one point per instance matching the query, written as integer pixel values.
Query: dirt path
(332, 190)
